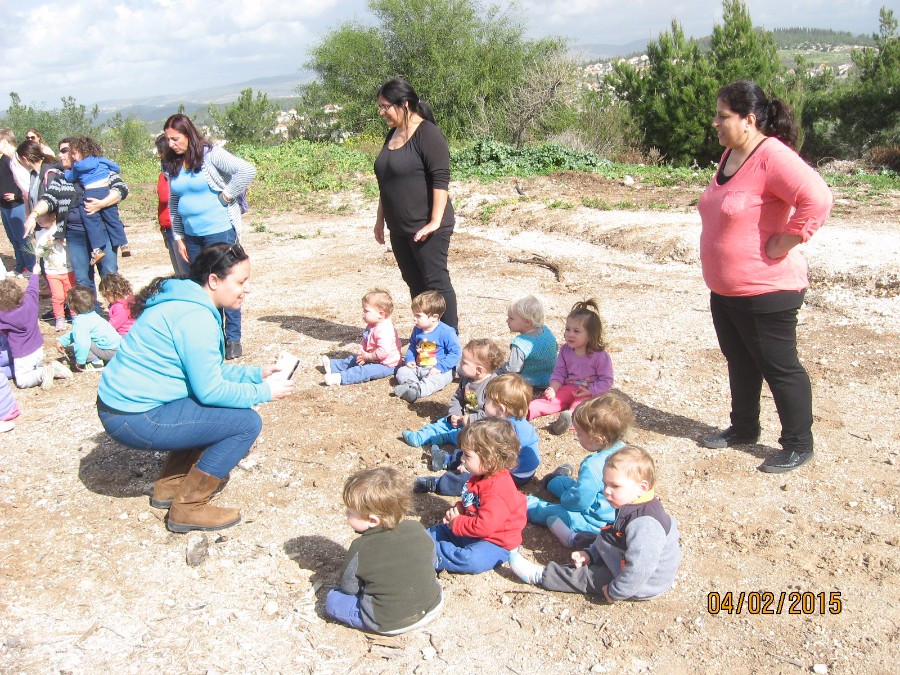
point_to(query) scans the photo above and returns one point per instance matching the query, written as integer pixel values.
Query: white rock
(428, 653)
(820, 669)
(271, 608)
(247, 463)
(123, 516)
(628, 180)
(143, 517)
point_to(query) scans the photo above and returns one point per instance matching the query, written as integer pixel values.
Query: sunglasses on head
(235, 249)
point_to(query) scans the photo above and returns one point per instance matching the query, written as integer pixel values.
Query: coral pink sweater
(774, 192)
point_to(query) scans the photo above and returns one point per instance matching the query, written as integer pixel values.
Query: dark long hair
(33, 152)
(773, 116)
(218, 259)
(398, 91)
(193, 157)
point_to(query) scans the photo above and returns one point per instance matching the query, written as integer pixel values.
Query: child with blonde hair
(120, 296)
(388, 583)
(19, 323)
(433, 351)
(479, 531)
(480, 358)
(92, 337)
(635, 558)
(378, 354)
(600, 425)
(506, 396)
(532, 353)
(583, 368)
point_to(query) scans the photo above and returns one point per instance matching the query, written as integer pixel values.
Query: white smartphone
(288, 365)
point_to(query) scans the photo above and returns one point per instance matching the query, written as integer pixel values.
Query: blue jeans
(80, 257)
(14, 225)
(464, 555)
(225, 434)
(179, 264)
(352, 373)
(343, 607)
(451, 484)
(196, 244)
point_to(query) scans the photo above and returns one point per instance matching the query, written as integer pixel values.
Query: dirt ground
(91, 581)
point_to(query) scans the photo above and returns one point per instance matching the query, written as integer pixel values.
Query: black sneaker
(786, 460)
(233, 349)
(564, 470)
(424, 484)
(728, 437)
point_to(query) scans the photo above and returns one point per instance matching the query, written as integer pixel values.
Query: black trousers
(758, 337)
(423, 266)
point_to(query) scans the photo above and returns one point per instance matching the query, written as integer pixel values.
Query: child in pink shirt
(118, 293)
(378, 354)
(583, 368)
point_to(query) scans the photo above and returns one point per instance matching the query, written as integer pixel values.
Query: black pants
(758, 337)
(423, 266)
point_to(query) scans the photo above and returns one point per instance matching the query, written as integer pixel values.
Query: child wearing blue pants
(479, 531)
(378, 354)
(600, 424)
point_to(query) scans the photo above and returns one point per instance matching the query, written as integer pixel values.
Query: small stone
(852, 505)
(505, 600)
(271, 608)
(628, 180)
(197, 549)
(428, 653)
(143, 517)
(123, 516)
(248, 463)
(12, 641)
(820, 669)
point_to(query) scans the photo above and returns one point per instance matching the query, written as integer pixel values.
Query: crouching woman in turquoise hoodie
(169, 390)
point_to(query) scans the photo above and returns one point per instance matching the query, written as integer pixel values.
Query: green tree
(464, 60)
(741, 52)
(247, 120)
(72, 119)
(127, 137)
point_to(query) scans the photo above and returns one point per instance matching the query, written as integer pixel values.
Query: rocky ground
(91, 581)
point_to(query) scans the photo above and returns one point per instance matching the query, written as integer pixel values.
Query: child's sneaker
(410, 393)
(47, 377)
(564, 470)
(6, 426)
(96, 256)
(326, 364)
(562, 531)
(125, 251)
(424, 484)
(412, 438)
(439, 458)
(60, 372)
(332, 379)
(61, 325)
(562, 423)
(96, 364)
(527, 571)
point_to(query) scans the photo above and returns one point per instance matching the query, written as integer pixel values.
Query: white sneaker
(6, 426)
(60, 372)
(326, 364)
(332, 379)
(47, 379)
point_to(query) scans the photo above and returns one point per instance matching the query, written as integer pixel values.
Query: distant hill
(600, 52)
(155, 108)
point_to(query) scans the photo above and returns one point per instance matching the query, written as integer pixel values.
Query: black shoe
(564, 470)
(233, 349)
(786, 460)
(729, 437)
(424, 484)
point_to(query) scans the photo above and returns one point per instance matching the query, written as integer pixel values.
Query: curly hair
(380, 492)
(11, 295)
(495, 442)
(588, 313)
(606, 419)
(487, 353)
(115, 287)
(86, 146)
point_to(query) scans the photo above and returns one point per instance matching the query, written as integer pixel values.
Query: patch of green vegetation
(596, 203)
(626, 205)
(301, 235)
(560, 204)
(260, 228)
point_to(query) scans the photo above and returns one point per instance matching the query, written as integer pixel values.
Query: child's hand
(434, 372)
(549, 393)
(455, 420)
(452, 514)
(581, 558)
(582, 392)
(60, 348)
(362, 357)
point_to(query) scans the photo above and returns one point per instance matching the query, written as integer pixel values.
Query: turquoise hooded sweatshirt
(176, 350)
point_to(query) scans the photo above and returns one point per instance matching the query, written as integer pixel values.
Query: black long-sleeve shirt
(8, 184)
(406, 177)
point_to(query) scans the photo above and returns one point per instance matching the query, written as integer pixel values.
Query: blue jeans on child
(104, 227)
(353, 373)
(343, 607)
(451, 484)
(226, 434)
(464, 555)
(196, 244)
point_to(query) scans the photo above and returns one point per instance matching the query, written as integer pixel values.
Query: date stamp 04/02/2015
(769, 602)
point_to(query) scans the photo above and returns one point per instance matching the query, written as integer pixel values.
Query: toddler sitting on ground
(532, 353)
(92, 337)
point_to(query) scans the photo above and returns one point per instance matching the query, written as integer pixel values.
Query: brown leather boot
(190, 508)
(172, 473)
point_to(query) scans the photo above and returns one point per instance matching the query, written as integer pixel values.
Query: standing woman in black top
(413, 171)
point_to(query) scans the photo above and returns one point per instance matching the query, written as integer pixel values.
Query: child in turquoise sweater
(92, 337)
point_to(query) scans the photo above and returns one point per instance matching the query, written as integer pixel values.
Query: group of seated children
(89, 345)
(627, 544)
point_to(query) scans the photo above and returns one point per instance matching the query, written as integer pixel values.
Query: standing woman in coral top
(763, 201)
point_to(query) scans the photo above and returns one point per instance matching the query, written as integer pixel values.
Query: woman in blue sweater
(206, 183)
(169, 390)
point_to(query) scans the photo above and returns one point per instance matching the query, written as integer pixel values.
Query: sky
(97, 50)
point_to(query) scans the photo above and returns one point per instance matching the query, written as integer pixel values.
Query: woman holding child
(763, 201)
(413, 172)
(203, 201)
(169, 390)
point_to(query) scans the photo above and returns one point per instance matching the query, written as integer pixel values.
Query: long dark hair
(193, 157)
(773, 116)
(33, 152)
(398, 91)
(218, 259)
